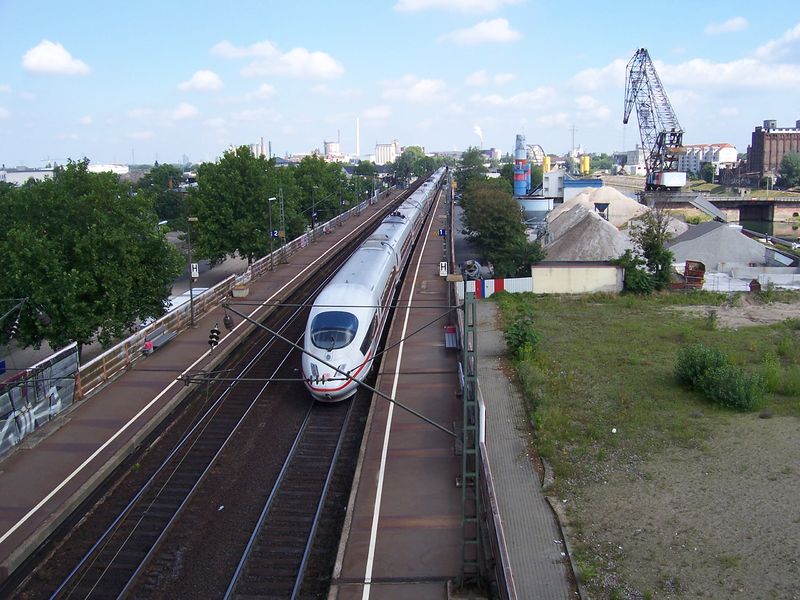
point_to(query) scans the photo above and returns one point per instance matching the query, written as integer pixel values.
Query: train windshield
(333, 329)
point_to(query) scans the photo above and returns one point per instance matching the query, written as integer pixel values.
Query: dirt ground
(722, 521)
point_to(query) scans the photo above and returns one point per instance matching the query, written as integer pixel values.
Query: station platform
(56, 467)
(403, 534)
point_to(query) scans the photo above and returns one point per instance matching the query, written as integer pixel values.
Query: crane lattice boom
(662, 135)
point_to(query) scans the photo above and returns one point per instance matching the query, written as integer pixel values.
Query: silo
(546, 164)
(520, 166)
(586, 164)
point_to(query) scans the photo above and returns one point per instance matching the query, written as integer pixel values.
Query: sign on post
(195, 270)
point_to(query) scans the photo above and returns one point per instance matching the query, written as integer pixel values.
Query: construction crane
(662, 135)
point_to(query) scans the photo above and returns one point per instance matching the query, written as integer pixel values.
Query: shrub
(521, 337)
(729, 386)
(695, 360)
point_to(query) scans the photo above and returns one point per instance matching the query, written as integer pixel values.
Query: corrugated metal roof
(703, 204)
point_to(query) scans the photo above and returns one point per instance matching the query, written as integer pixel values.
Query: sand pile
(621, 209)
(588, 238)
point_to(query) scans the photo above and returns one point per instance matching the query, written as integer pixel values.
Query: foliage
(537, 176)
(507, 173)
(521, 337)
(637, 279)
(650, 237)
(709, 371)
(366, 169)
(161, 183)
(695, 360)
(85, 251)
(471, 168)
(413, 163)
(231, 205)
(708, 171)
(789, 170)
(494, 221)
(602, 162)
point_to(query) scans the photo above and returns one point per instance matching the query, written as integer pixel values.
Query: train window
(333, 329)
(370, 335)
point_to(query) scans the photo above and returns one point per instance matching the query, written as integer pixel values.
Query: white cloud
(53, 59)
(496, 30)
(481, 78)
(4, 114)
(746, 73)
(553, 120)
(139, 113)
(260, 49)
(591, 108)
(141, 135)
(785, 47)
(612, 75)
(411, 89)
(183, 111)
(473, 6)
(85, 120)
(297, 62)
(263, 92)
(202, 81)
(377, 113)
(729, 26)
(728, 111)
(541, 96)
(5, 89)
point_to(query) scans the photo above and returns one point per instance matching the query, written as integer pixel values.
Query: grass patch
(606, 363)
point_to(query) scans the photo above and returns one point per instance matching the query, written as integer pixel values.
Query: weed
(711, 320)
(771, 371)
(730, 561)
(791, 381)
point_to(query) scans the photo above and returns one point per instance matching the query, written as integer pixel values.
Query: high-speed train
(347, 318)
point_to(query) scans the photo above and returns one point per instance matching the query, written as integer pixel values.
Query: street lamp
(269, 202)
(189, 222)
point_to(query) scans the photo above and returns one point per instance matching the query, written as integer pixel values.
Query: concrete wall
(576, 278)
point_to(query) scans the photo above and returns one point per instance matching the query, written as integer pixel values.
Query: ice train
(348, 316)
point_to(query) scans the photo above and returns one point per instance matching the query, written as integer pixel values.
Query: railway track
(154, 531)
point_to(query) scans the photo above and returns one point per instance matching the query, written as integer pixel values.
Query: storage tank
(546, 165)
(521, 177)
(586, 163)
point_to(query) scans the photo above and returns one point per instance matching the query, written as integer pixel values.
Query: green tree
(707, 172)
(471, 168)
(650, 236)
(85, 251)
(161, 183)
(494, 220)
(232, 207)
(507, 173)
(537, 176)
(789, 170)
(366, 169)
(322, 185)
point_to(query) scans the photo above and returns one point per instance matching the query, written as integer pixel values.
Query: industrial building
(387, 153)
(769, 145)
(722, 156)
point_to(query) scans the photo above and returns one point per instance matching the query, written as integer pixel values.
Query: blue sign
(442, 232)
(275, 234)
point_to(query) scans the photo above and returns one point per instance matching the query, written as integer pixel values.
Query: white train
(348, 316)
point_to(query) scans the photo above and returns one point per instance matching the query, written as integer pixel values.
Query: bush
(771, 371)
(521, 337)
(708, 370)
(729, 386)
(695, 360)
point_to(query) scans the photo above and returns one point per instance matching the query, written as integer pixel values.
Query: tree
(507, 173)
(471, 168)
(789, 170)
(494, 221)
(161, 183)
(707, 172)
(87, 253)
(322, 185)
(650, 236)
(231, 203)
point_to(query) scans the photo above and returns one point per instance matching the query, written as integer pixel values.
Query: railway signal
(213, 336)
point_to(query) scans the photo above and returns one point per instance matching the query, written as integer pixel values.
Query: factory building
(387, 153)
(769, 145)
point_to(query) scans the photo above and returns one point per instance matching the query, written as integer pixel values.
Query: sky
(177, 80)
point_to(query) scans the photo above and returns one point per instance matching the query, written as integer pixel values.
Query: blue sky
(150, 81)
